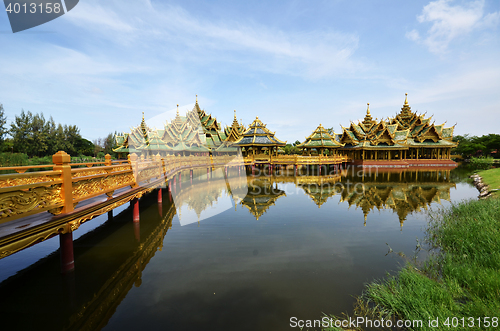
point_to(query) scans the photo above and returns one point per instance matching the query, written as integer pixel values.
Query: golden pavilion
(318, 142)
(197, 133)
(258, 140)
(408, 137)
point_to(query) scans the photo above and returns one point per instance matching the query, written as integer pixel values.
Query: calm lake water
(292, 247)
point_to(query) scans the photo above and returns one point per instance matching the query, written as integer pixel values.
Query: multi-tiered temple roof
(258, 135)
(197, 132)
(258, 139)
(407, 129)
(320, 139)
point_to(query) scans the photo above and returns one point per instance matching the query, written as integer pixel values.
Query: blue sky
(295, 64)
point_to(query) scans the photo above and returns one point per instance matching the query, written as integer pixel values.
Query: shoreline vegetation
(459, 278)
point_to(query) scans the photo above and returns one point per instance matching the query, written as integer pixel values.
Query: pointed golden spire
(235, 115)
(368, 109)
(406, 99)
(177, 109)
(143, 116)
(197, 98)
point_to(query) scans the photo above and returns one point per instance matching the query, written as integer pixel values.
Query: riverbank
(491, 178)
(460, 278)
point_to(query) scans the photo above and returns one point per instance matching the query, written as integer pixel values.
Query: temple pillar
(66, 251)
(110, 215)
(160, 197)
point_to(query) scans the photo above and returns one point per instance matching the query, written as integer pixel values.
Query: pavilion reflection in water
(199, 198)
(403, 192)
(388, 191)
(262, 194)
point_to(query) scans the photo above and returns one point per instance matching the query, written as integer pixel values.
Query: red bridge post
(66, 250)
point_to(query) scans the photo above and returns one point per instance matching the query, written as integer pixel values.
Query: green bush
(481, 163)
(40, 160)
(13, 159)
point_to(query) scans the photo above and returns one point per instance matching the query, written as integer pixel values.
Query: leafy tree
(472, 146)
(289, 149)
(20, 130)
(84, 147)
(109, 143)
(98, 146)
(35, 136)
(3, 128)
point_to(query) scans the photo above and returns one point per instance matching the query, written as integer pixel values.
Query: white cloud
(313, 54)
(413, 35)
(450, 22)
(95, 16)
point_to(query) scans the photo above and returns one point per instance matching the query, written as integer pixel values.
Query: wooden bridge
(40, 202)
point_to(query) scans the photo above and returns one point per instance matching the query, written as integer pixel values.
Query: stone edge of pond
(483, 188)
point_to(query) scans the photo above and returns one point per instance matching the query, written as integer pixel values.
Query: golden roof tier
(235, 131)
(211, 128)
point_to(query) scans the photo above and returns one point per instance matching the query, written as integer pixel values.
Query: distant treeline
(32, 135)
(486, 145)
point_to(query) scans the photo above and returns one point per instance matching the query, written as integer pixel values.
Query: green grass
(460, 278)
(492, 178)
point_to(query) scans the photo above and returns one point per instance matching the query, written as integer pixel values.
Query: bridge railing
(62, 185)
(61, 188)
